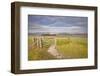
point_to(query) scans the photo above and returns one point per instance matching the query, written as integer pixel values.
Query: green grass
(74, 47)
(69, 47)
(39, 54)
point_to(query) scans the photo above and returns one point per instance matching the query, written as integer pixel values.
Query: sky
(57, 24)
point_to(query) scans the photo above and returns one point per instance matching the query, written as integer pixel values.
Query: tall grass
(69, 47)
(73, 48)
(36, 53)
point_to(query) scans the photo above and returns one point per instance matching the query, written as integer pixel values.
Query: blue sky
(57, 24)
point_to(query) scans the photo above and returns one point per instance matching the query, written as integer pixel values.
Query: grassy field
(69, 47)
(73, 47)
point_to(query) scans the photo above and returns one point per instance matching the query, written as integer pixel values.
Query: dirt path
(53, 51)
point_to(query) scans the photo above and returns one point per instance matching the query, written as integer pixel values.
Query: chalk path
(53, 51)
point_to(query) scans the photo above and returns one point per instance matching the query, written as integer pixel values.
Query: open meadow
(57, 47)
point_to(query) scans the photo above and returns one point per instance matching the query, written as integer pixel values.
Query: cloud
(57, 24)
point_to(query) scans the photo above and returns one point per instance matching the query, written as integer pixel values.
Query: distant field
(68, 46)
